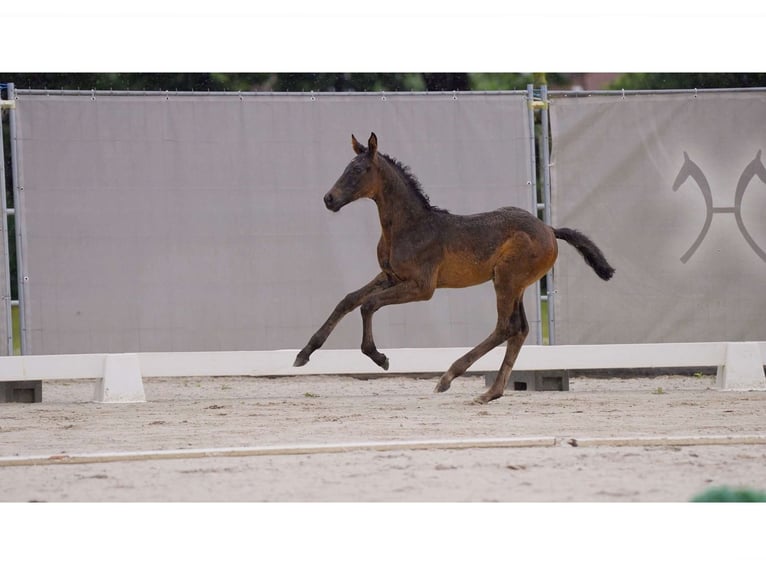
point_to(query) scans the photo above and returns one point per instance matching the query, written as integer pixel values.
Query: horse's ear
(372, 144)
(358, 148)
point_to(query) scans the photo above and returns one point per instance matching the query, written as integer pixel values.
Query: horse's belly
(463, 272)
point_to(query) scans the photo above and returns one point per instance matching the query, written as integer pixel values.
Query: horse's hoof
(442, 387)
(383, 362)
(481, 400)
(300, 360)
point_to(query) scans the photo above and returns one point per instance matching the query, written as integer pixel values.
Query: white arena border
(381, 446)
(739, 364)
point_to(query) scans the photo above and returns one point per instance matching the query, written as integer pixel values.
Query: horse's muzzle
(330, 202)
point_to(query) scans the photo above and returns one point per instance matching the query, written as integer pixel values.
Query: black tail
(588, 250)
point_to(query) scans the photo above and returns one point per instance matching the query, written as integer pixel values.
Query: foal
(423, 248)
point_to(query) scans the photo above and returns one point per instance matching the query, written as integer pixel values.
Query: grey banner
(673, 189)
(195, 222)
(6, 325)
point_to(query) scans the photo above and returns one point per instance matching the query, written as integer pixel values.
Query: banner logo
(689, 169)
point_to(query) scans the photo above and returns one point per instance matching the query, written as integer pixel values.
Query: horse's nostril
(328, 200)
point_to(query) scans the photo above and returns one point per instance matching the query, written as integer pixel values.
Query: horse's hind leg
(346, 305)
(463, 363)
(507, 306)
(519, 330)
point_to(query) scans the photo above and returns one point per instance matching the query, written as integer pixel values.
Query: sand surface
(224, 413)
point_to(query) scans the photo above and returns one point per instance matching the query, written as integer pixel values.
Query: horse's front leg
(346, 305)
(405, 292)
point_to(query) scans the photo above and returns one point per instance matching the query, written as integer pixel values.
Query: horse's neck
(398, 206)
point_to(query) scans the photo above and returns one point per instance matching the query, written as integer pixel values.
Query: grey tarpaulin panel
(6, 343)
(672, 188)
(195, 222)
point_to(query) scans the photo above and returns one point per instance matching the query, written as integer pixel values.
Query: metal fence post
(546, 169)
(533, 193)
(5, 288)
(21, 280)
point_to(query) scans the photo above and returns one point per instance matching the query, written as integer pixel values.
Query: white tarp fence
(672, 187)
(157, 222)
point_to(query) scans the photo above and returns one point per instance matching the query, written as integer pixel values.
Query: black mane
(412, 183)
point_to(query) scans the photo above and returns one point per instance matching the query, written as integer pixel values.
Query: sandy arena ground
(251, 412)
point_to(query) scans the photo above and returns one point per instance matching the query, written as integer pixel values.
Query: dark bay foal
(423, 248)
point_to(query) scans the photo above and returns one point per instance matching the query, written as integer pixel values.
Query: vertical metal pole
(545, 159)
(533, 194)
(17, 189)
(5, 288)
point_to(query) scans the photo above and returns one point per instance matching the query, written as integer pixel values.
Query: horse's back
(493, 227)
(475, 244)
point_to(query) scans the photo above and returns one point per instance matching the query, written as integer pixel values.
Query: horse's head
(361, 178)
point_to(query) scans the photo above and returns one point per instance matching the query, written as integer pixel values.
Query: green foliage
(727, 494)
(285, 82)
(498, 82)
(652, 81)
(365, 81)
(289, 82)
(16, 330)
(345, 82)
(150, 82)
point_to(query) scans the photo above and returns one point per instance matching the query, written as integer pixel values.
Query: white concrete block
(743, 368)
(122, 382)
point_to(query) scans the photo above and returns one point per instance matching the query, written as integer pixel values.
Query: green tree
(149, 82)
(278, 82)
(502, 81)
(670, 81)
(344, 82)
